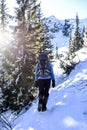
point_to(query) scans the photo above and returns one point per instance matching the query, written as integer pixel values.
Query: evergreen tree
(66, 28)
(34, 27)
(27, 41)
(20, 56)
(3, 42)
(57, 52)
(23, 78)
(3, 15)
(46, 46)
(85, 38)
(3, 22)
(77, 40)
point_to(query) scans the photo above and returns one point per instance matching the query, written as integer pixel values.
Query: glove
(53, 83)
(36, 84)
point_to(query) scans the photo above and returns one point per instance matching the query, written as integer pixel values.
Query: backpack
(43, 65)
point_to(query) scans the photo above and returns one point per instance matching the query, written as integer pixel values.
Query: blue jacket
(51, 76)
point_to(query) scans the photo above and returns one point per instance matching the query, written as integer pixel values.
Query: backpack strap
(44, 72)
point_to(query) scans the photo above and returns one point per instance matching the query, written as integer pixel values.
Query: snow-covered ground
(67, 104)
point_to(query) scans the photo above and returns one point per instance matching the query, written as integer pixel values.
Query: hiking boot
(45, 103)
(40, 107)
(44, 109)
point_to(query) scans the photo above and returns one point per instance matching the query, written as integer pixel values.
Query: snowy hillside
(55, 27)
(67, 105)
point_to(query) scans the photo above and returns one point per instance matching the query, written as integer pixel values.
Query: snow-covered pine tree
(85, 38)
(77, 40)
(67, 62)
(27, 43)
(3, 15)
(4, 40)
(67, 28)
(47, 46)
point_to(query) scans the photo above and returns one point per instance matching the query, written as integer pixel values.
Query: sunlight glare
(4, 39)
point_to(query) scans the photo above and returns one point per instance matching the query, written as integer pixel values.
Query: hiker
(43, 77)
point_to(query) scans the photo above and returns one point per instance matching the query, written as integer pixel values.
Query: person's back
(43, 76)
(43, 67)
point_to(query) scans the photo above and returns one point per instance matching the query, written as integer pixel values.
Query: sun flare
(4, 39)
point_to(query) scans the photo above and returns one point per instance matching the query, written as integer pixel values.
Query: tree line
(77, 40)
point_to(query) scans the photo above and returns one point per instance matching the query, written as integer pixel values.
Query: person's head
(43, 56)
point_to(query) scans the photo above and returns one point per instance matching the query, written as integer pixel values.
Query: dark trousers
(44, 86)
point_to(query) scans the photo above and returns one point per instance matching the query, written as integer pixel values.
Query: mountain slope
(55, 27)
(67, 105)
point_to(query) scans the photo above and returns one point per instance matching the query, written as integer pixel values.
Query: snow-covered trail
(65, 112)
(67, 105)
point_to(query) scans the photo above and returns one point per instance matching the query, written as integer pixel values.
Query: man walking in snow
(43, 76)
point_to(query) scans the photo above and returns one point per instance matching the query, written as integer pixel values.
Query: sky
(61, 9)
(64, 9)
(67, 104)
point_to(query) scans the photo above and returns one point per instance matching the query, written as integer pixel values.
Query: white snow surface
(67, 104)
